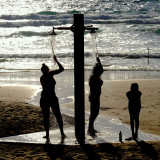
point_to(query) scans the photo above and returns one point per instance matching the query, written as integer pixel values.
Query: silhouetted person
(134, 106)
(95, 83)
(49, 98)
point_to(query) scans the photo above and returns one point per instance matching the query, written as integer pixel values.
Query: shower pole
(79, 93)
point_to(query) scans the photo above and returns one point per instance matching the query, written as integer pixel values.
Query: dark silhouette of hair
(44, 68)
(134, 87)
(97, 70)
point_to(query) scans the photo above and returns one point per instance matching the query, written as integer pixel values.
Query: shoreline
(18, 93)
(32, 76)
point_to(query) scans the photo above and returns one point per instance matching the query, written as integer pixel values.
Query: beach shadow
(102, 147)
(54, 151)
(90, 152)
(148, 149)
(108, 148)
(104, 108)
(93, 152)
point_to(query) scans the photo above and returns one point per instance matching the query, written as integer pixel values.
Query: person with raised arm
(95, 83)
(49, 99)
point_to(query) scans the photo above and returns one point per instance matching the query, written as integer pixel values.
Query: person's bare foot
(130, 138)
(95, 131)
(47, 137)
(91, 133)
(63, 136)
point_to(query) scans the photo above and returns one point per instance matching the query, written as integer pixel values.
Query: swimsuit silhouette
(95, 83)
(134, 106)
(48, 97)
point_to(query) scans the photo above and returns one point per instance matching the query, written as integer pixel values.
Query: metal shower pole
(79, 77)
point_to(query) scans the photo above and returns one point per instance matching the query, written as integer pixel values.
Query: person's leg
(132, 126)
(46, 115)
(57, 113)
(132, 123)
(137, 123)
(94, 112)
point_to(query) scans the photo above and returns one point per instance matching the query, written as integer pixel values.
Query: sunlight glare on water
(125, 30)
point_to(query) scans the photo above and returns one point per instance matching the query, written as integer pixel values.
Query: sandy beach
(17, 117)
(17, 93)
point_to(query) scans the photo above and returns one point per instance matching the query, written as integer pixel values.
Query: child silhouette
(134, 107)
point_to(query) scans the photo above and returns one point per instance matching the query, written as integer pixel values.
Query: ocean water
(126, 28)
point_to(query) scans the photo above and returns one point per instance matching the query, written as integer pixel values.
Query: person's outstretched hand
(98, 60)
(55, 58)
